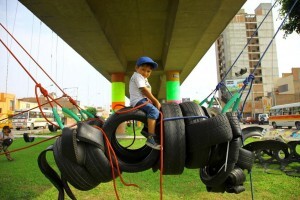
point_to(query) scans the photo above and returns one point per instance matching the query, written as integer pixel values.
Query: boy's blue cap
(146, 60)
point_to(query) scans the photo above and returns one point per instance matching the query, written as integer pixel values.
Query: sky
(65, 66)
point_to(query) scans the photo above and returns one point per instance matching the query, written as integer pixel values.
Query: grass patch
(22, 179)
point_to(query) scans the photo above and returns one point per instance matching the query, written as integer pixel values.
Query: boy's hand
(157, 105)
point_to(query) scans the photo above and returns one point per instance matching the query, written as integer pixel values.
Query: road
(41, 131)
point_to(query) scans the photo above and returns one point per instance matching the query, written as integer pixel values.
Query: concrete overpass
(112, 34)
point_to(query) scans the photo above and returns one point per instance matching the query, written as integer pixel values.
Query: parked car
(249, 120)
(263, 119)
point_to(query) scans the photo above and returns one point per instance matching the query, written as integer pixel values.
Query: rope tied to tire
(89, 155)
(81, 156)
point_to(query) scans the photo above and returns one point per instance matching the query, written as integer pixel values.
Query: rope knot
(43, 90)
(72, 101)
(248, 79)
(219, 85)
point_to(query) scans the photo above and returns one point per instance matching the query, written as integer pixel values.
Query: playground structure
(191, 135)
(274, 146)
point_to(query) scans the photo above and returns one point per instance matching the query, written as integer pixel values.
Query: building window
(27, 105)
(12, 105)
(283, 88)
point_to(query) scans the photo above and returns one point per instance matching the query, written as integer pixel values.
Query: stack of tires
(214, 145)
(193, 137)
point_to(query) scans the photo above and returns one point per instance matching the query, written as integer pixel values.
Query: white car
(263, 118)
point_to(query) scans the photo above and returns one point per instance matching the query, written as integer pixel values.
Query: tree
(92, 110)
(293, 21)
(196, 101)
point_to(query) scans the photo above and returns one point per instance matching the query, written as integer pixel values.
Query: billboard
(234, 85)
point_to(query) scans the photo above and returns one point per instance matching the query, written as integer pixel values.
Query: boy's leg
(6, 143)
(7, 154)
(151, 131)
(151, 126)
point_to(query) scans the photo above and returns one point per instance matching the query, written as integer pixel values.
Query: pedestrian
(6, 139)
(140, 93)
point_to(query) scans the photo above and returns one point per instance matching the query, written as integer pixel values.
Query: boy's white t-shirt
(137, 81)
(3, 137)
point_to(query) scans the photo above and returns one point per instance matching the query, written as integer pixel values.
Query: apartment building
(286, 89)
(230, 44)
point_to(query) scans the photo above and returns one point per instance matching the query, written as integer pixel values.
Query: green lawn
(22, 179)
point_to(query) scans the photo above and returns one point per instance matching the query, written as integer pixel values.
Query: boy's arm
(150, 96)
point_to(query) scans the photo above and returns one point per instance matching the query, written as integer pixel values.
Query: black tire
(204, 134)
(214, 174)
(293, 147)
(75, 174)
(246, 159)
(214, 111)
(130, 160)
(252, 131)
(98, 164)
(234, 124)
(191, 109)
(269, 147)
(52, 128)
(17, 129)
(89, 134)
(236, 177)
(274, 125)
(95, 122)
(174, 145)
(27, 138)
(297, 124)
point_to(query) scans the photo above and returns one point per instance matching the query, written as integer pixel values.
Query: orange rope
(161, 155)
(30, 109)
(111, 151)
(161, 144)
(39, 103)
(32, 59)
(18, 61)
(22, 148)
(64, 94)
(130, 110)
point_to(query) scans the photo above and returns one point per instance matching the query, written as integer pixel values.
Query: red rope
(161, 155)
(22, 148)
(32, 59)
(29, 109)
(18, 61)
(64, 94)
(161, 144)
(40, 107)
(111, 153)
(129, 110)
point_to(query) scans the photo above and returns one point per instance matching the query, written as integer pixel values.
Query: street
(39, 131)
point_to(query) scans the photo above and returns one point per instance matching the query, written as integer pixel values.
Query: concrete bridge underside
(112, 34)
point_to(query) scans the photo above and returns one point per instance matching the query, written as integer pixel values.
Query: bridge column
(118, 96)
(173, 87)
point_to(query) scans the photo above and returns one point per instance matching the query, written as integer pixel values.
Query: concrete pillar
(117, 91)
(173, 87)
(118, 96)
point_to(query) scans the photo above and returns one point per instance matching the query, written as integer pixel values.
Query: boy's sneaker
(144, 132)
(151, 143)
(9, 158)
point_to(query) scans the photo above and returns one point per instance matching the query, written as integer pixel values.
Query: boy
(140, 92)
(6, 139)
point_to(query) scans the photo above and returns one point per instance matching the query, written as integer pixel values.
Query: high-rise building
(231, 43)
